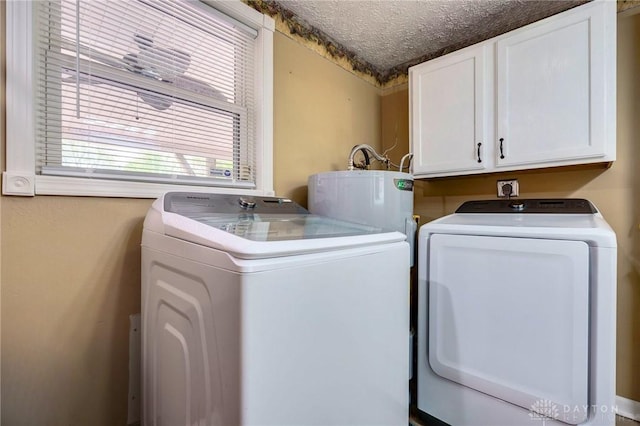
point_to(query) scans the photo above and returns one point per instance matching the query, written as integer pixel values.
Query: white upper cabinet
(544, 97)
(448, 112)
(551, 91)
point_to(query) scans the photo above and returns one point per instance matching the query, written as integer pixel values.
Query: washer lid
(256, 227)
(281, 227)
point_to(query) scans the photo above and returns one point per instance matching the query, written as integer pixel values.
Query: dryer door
(509, 318)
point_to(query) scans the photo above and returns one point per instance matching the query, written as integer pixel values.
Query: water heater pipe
(382, 158)
(408, 156)
(368, 148)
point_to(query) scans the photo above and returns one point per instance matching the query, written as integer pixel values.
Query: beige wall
(69, 270)
(70, 280)
(395, 123)
(616, 192)
(70, 273)
(320, 112)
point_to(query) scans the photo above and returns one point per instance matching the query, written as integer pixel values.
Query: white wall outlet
(508, 188)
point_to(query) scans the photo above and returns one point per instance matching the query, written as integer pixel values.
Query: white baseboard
(628, 408)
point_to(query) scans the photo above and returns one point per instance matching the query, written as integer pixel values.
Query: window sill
(29, 185)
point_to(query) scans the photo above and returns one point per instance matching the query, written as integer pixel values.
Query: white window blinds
(146, 90)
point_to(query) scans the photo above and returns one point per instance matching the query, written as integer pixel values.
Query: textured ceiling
(390, 35)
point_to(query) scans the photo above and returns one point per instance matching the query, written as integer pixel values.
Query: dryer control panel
(545, 205)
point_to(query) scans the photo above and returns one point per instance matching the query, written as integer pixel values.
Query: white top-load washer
(517, 315)
(255, 312)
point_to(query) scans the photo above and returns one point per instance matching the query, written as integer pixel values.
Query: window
(136, 97)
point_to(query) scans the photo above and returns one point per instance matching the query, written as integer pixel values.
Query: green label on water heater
(404, 184)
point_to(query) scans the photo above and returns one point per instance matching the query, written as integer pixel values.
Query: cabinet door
(555, 90)
(448, 113)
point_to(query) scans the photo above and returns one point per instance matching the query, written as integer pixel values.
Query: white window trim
(20, 178)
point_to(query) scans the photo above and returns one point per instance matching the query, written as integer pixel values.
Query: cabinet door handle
(479, 159)
(501, 148)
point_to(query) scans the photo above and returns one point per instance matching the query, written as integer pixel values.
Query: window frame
(20, 177)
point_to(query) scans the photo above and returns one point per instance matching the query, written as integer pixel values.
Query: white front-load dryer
(255, 312)
(516, 315)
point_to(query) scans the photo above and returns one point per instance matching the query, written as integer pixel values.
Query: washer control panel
(545, 205)
(186, 203)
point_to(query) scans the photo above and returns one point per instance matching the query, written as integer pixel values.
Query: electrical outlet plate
(504, 192)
